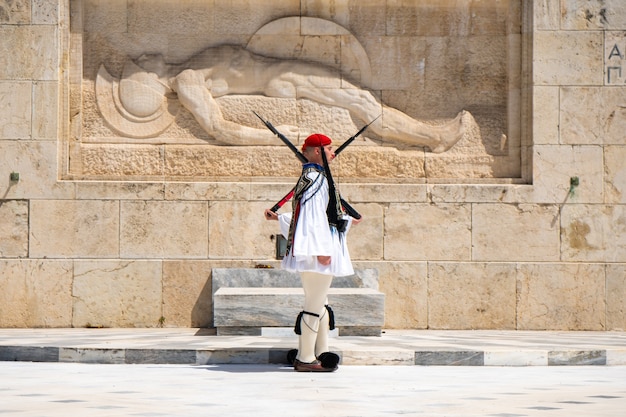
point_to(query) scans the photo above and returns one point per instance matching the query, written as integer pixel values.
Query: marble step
(247, 310)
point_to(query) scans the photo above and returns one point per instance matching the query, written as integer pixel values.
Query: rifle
(347, 207)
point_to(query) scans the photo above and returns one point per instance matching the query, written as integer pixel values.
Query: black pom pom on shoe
(329, 360)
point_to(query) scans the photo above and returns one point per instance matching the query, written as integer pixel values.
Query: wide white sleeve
(284, 220)
(313, 236)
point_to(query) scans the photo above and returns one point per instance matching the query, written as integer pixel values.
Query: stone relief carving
(144, 102)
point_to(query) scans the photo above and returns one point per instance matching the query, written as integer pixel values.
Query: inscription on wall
(615, 58)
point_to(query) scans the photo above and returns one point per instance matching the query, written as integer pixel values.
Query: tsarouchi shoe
(315, 366)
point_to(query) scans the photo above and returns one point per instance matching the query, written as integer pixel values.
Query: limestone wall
(521, 225)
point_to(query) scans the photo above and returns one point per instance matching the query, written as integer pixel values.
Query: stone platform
(247, 301)
(393, 347)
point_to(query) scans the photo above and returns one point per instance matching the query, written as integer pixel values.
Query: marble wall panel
(602, 122)
(45, 12)
(616, 297)
(164, 229)
(593, 14)
(615, 174)
(40, 61)
(36, 163)
(13, 229)
(45, 110)
(238, 230)
(365, 239)
(117, 293)
(525, 232)
(74, 229)
(15, 12)
(471, 295)
(546, 113)
(547, 14)
(427, 232)
(568, 58)
(561, 297)
(593, 233)
(15, 100)
(35, 293)
(555, 166)
(405, 285)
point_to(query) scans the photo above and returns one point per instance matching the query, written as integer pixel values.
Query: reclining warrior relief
(145, 101)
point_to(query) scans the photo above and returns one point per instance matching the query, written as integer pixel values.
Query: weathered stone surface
(117, 294)
(163, 229)
(405, 285)
(593, 233)
(604, 121)
(74, 229)
(546, 115)
(15, 97)
(365, 239)
(471, 296)
(122, 161)
(428, 232)
(35, 293)
(555, 64)
(40, 61)
(15, 12)
(525, 232)
(616, 297)
(561, 297)
(13, 229)
(36, 162)
(233, 223)
(615, 174)
(593, 14)
(558, 165)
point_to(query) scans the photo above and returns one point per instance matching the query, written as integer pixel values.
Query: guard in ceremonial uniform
(317, 249)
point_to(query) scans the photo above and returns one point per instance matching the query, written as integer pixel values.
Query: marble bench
(246, 301)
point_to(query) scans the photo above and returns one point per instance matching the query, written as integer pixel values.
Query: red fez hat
(315, 140)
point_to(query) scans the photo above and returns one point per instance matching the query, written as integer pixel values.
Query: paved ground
(76, 389)
(189, 372)
(427, 347)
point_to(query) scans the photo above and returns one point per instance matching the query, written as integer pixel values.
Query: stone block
(35, 293)
(602, 122)
(615, 174)
(441, 232)
(257, 307)
(247, 300)
(524, 232)
(115, 160)
(616, 297)
(471, 296)
(36, 162)
(13, 229)
(593, 15)
(15, 102)
(365, 240)
(74, 229)
(117, 293)
(45, 110)
(546, 110)
(164, 229)
(40, 61)
(547, 14)
(593, 233)
(237, 230)
(554, 166)
(561, 297)
(405, 285)
(16, 12)
(45, 12)
(187, 293)
(555, 64)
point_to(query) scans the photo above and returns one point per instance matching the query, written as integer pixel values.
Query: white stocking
(321, 344)
(315, 287)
